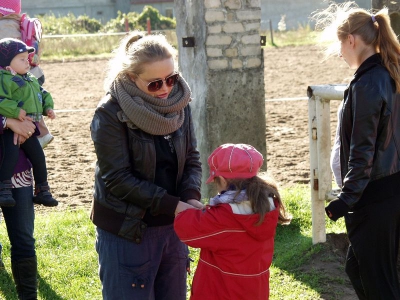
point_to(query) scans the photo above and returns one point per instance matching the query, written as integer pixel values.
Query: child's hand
(21, 115)
(51, 113)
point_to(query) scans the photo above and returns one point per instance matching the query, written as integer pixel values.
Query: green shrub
(157, 21)
(118, 24)
(70, 24)
(87, 24)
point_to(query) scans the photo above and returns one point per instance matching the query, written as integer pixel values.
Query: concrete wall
(225, 72)
(297, 11)
(102, 10)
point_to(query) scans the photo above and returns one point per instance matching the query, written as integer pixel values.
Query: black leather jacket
(370, 130)
(125, 171)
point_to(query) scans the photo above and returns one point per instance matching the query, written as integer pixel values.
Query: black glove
(336, 209)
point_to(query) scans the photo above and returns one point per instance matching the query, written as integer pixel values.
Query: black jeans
(20, 224)
(33, 151)
(374, 232)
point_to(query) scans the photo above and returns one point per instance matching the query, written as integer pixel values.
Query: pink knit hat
(234, 161)
(10, 7)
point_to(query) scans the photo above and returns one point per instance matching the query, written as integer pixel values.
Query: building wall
(102, 10)
(297, 11)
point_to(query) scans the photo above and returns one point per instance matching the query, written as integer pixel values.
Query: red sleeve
(204, 228)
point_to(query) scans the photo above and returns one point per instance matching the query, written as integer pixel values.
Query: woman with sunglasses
(147, 168)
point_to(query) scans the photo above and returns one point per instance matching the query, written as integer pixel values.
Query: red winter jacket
(235, 255)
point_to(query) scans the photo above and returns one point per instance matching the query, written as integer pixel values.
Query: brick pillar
(225, 72)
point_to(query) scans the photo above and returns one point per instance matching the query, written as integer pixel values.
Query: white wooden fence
(319, 129)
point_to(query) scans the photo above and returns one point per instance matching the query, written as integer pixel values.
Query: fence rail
(50, 36)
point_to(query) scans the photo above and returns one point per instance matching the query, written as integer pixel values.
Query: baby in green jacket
(22, 97)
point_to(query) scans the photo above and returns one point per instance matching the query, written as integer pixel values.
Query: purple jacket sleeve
(23, 162)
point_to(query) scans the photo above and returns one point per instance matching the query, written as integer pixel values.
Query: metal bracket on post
(188, 41)
(263, 40)
(315, 183)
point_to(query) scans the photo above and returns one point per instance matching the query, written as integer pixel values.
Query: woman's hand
(22, 129)
(191, 204)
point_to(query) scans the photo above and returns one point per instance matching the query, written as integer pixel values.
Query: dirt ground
(77, 87)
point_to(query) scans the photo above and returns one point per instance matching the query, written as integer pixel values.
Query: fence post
(126, 25)
(317, 207)
(148, 26)
(271, 30)
(320, 147)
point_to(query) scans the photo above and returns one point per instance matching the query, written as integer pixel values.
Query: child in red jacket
(236, 231)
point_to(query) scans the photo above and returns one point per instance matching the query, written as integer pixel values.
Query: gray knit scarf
(150, 114)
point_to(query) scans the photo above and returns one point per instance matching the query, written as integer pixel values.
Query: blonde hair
(134, 52)
(258, 190)
(340, 20)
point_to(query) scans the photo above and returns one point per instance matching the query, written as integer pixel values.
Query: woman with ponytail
(369, 147)
(147, 168)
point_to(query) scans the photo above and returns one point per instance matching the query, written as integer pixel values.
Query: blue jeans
(20, 224)
(152, 270)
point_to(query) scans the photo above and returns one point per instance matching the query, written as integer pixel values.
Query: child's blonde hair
(136, 50)
(340, 20)
(258, 190)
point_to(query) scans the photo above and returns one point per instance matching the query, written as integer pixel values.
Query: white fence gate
(319, 97)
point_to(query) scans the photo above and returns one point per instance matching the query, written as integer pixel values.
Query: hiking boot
(6, 198)
(43, 195)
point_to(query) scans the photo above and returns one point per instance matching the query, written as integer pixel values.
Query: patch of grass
(68, 261)
(303, 35)
(69, 47)
(87, 46)
(294, 248)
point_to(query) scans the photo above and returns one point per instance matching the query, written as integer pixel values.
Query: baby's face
(20, 63)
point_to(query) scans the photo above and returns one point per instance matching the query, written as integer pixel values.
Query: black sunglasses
(155, 85)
